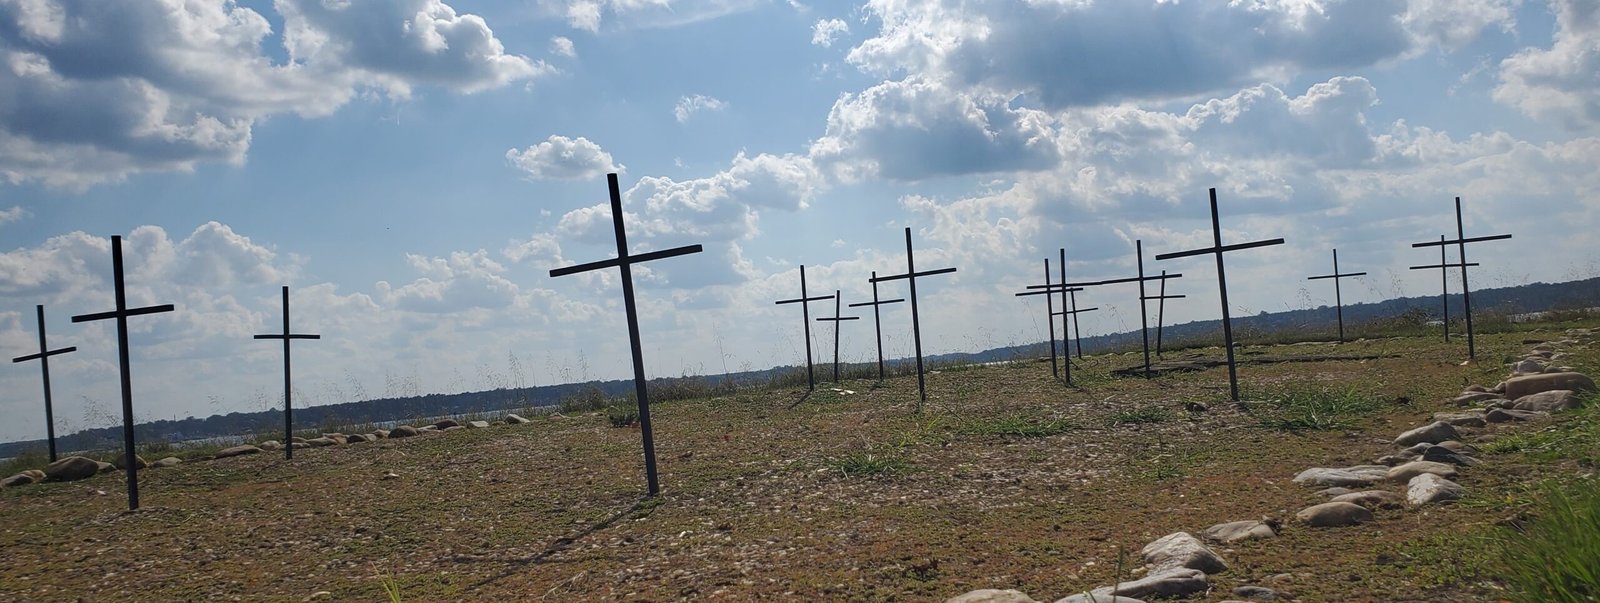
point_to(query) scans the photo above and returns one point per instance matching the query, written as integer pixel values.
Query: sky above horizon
(413, 169)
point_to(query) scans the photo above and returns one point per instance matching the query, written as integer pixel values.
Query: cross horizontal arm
(1313, 278)
(1135, 279)
(803, 299)
(1435, 266)
(879, 303)
(1222, 249)
(1149, 297)
(631, 259)
(901, 276)
(1060, 286)
(115, 313)
(1049, 291)
(1077, 311)
(289, 336)
(1460, 241)
(838, 318)
(44, 354)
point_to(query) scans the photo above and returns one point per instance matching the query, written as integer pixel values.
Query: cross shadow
(560, 544)
(801, 400)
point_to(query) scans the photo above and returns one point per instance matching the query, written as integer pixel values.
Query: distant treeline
(1487, 304)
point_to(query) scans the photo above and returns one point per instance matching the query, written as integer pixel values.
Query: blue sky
(414, 168)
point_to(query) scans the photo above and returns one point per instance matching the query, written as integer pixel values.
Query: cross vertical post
(1161, 311)
(1072, 298)
(1050, 321)
(836, 319)
(1140, 278)
(288, 406)
(1063, 288)
(44, 368)
(916, 327)
(805, 318)
(624, 262)
(877, 321)
(1460, 242)
(1218, 249)
(1338, 300)
(121, 315)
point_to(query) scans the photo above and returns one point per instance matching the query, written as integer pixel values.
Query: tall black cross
(916, 326)
(1218, 249)
(877, 321)
(44, 367)
(121, 315)
(288, 408)
(1048, 290)
(1338, 302)
(1072, 299)
(836, 319)
(1444, 267)
(1144, 312)
(805, 316)
(624, 261)
(1161, 310)
(1461, 241)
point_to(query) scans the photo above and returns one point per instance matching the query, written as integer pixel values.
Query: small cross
(288, 409)
(121, 315)
(1461, 241)
(805, 315)
(1144, 313)
(1047, 290)
(1072, 297)
(836, 319)
(916, 326)
(1338, 302)
(44, 367)
(625, 261)
(877, 321)
(1444, 267)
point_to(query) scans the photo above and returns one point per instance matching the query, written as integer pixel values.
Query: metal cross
(1072, 297)
(916, 328)
(805, 316)
(288, 408)
(624, 261)
(121, 315)
(1218, 249)
(1048, 290)
(877, 321)
(1144, 313)
(1461, 241)
(1444, 267)
(1161, 310)
(836, 319)
(44, 368)
(1338, 302)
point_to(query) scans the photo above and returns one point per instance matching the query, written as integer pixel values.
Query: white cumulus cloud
(689, 105)
(563, 158)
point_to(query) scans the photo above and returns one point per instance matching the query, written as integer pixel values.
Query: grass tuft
(1138, 416)
(1018, 425)
(622, 416)
(1553, 558)
(868, 464)
(1320, 407)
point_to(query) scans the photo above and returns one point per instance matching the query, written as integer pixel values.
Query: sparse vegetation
(1556, 557)
(1319, 407)
(1018, 425)
(861, 464)
(622, 416)
(1139, 416)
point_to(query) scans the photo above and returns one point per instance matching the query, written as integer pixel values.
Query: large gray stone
(1471, 397)
(240, 450)
(1235, 531)
(515, 419)
(1257, 593)
(1428, 488)
(270, 445)
(403, 431)
(1333, 515)
(1440, 454)
(1175, 582)
(1180, 549)
(1503, 415)
(1548, 401)
(1373, 499)
(1091, 598)
(138, 462)
(20, 479)
(446, 424)
(991, 595)
(71, 468)
(1517, 387)
(1432, 433)
(1472, 418)
(322, 442)
(1528, 366)
(1359, 475)
(478, 424)
(1403, 473)
(170, 461)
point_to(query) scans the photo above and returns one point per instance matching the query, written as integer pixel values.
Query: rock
(322, 442)
(1499, 388)
(1517, 387)
(337, 438)
(1428, 488)
(299, 445)
(1461, 419)
(1528, 367)
(170, 461)
(1235, 531)
(355, 438)
(20, 479)
(1333, 515)
(381, 433)
(403, 431)
(446, 424)
(1404, 473)
(1471, 397)
(1548, 401)
(1458, 447)
(478, 424)
(1440, 454)
(1373, 499)
(1335, 491)
(390, 475)
(1359, 475)
(105, 467)
(428, 428)
(1432, 433)
(270, 445)
(514, 419)
(1258, 593)
(1175, 582)
(1104, 598)
(1180, 549)
(455, 427)
(990, 595)
(138, 462)
(1502, 415)
(1475, 388)
(240, 450)
(297, 440)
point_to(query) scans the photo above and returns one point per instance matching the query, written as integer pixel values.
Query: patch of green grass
(1576, 438)
(621, 416)
(1018, 425)
(1554, 558)
(1138, 416)
(867, 464)
(1319, 407)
